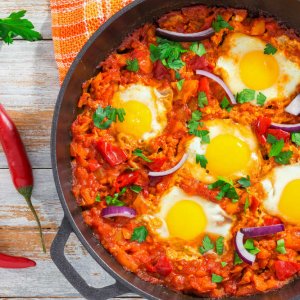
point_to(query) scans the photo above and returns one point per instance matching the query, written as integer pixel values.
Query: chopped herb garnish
(270, 49)
(198, 48)
(97, 199)
(139, 152)
(246, 95)
(202, 99)
(193, 125)
(296, 138)
(220, 23)
(244, 182)
(223, 263)
(281, 157)
(177, 75)
(103, 117)
(249, 245)
(276, 148)
(207, 245)
(136, 188)
(247, 204)
(201, 159)
(226, 189)
(139, 234)
(216, 278)
(261, 99)
(237, 259)
(284, 157)
(114, 200)
(225, 104)
(281, 246)
(168, 52)
(132, 65)
(220, 245)
(179, 84)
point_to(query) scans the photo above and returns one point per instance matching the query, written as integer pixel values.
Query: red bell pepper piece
(15, 262)
(254, 204)
(126, 179)
(268, 220)
(286, 269)
(261, 126)
(163, 266)
(112, 154)
(279, 134)
(157, 163)
(93, 165)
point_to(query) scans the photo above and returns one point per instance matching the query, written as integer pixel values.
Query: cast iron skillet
(99, 46)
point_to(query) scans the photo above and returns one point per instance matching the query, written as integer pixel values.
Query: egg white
(235, 47)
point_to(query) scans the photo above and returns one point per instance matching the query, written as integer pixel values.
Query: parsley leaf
(177, 75)
(103, 117)
(207, 245)
(168, 52)
(249, 245)
(132, 65)
(225, 104)
(276, 148)
(139, 234)
(296, 138)
(220, 245)
(281, 246)
(220, 23)
(201, 159)
(139, 152)
(193, 125)
(179, 84)
(246, 95)
(97, 199)
(247, 204)
(261, 99)
(270, 49)
(226, 189)
(202, 99)
(237, 260)
(283, 158)
(136, 188)
(245, 182)
(14, 25)
(216, 278)
(198, 48)
(114, 200)
(223, 263)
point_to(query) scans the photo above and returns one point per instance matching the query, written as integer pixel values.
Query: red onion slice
(185, 37)
(286, 127)
(294, 107)
(172, 170)
(263, 230)
(118, 211)
(220, 82)
(246, 256)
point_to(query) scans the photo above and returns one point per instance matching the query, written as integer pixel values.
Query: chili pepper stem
(26, 192)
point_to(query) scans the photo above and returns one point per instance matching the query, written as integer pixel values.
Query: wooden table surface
(28, 89)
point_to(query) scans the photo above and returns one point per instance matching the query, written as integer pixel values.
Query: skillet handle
(58, 256)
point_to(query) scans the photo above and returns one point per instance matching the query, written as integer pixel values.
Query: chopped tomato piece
(157, 163)
(254, 204)
(126, 179)
(143, 57)
(268, 220)
(163, 266)
(93, 165)
(200, 63)
(286, 269)
(261, 126)
(203, 86)
(160, 71)
(279, 134)
(112, 154)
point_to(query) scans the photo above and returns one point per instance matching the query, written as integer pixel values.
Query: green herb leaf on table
(132, 65)
(139, 234)
(115, 199)
(220, 23)
(246, 95)
(261, 99)
(179, 84)
(14, 25)
(136, 188)
(104, 117)
(296, 138)
(270, 49)
(202, 99)
(198, 48)
(220, 245)
(139, 153)
(201, 159)
(281, 246)
(216, 278)
(207, 245)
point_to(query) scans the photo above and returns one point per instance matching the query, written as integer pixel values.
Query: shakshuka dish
(185, 152)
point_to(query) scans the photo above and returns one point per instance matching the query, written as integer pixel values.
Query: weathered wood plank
(38, 12)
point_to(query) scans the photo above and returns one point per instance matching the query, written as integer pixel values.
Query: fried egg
(188, 217)
(233, 152)
(145, 108)
(243, 65)
(282, 188)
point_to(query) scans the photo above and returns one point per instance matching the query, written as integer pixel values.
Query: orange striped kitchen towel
(73, 22)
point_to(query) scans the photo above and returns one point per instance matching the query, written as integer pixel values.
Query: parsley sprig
(14, 25)
(201, 159)
(139, 234)
(132, 65)
(114, 200)
(168, 52)
(280, 246)
(270, 49)
(103, 117)
(296, 138)
(139, 153)
(226, 188)
(220, 23)
(247, 95)
(207, 245)
(193, 125)
(198, 48)
(281, 157)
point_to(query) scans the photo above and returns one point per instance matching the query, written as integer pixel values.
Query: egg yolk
(186, 220)
(138, 119)
(258, 71)
(226, 155)
(289, 201)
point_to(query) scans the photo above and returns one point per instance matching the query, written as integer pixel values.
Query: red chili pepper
(157, 163)
(261, 126)
(286, 269)
(279, 134)
(163, 266)
(15, 262)
(18, 162)
(126, 179)
(112, 154)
